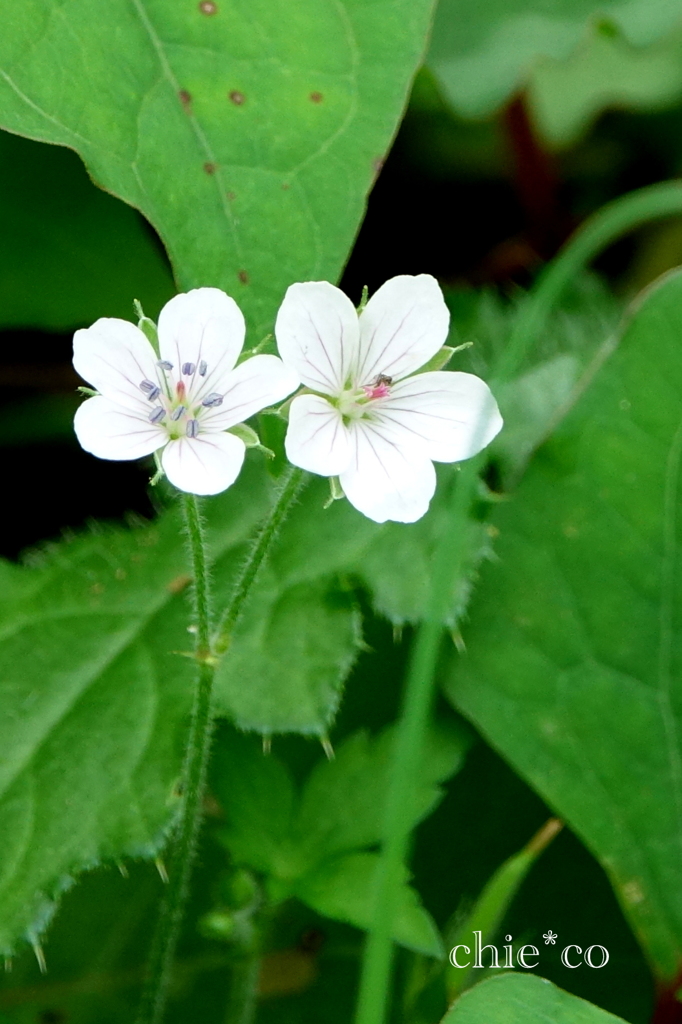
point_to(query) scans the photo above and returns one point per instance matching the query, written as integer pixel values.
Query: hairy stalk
(292, 483)
(614, 220)
(193, 783)
(241, 1007)
(197, 754)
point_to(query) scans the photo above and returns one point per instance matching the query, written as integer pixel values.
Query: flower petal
(206, 464)
(110, 431)
(317, 439)
(115, 357)
(254, 384)
(402, 326)
(317, 335)
(202, 326)
(453, 414)
(386, 480)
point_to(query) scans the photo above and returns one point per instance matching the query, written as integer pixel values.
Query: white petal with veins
(317, 439)
(202, 325)
(206, 464)
(317, 335)
(110, 431)
(402, 326)
(385, 480)
(453, 414)
(254, 384)
(115, 357)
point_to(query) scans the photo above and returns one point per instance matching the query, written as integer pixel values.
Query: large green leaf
(247, 131)
(483, 53)
(524, 999)
(94, 698)
(574, 644)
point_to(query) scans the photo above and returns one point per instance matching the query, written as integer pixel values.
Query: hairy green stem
(292, 483)
(241, 1007)
(193, 783)
(614, 220)
(198, 749)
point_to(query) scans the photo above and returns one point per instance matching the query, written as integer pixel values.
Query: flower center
(179, 405)
(357, 402)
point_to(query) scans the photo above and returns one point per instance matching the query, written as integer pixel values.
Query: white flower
(370, 423)
(183, 400)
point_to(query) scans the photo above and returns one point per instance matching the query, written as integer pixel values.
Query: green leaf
(483, 53)
(342, 889)
(492, 904)
(291, 653)
(565, 97)
(340, 801)
(524, 999)
(94, 695)
(573, 661)
(308, 845)
(69, 252)
(248, 133)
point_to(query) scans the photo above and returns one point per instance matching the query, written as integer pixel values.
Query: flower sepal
(250, 438)
(336, 492)
(147, 326)
(442, 358)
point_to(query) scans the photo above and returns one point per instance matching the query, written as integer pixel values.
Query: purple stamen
(212, 400)
(192, 428)
(203, 367)
(147, 386)
(164, 364)
(188, 369)
(154, 393)
(156, 415)
(177, 413)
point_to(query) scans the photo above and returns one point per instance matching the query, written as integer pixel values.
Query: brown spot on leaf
(243, 277)
(285, 184)
(377, 164)
(210, 168)
(316, 97)
(208, 7)
(231, 196)
(237, 97)
(185, 99)
(179, 584)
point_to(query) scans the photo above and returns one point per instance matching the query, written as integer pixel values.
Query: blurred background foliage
(522, 121)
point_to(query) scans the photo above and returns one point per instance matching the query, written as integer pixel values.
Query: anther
(177, 413)
(147, 386)
(192, 428)
(213, 399)
(203, 367)
(188, 369)
(154, 394)
(156, 415)
(164, 364)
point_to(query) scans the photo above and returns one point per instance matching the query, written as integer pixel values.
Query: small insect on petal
(178, 413)
(188, 369)
(192, 428)
(157, 414)
(212, 400)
